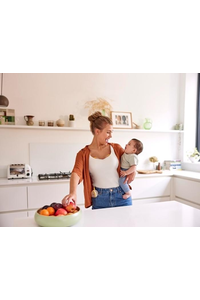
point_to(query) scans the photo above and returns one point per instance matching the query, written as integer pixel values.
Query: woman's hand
(69, 198)
(130, 178)
(73, 188)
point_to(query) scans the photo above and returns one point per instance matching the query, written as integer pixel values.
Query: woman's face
(105, 134)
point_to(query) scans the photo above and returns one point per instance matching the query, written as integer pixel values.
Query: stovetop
(61, 175)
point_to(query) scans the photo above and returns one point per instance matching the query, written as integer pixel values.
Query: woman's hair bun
(94, 116)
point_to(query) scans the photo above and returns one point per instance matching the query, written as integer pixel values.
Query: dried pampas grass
(99, 105)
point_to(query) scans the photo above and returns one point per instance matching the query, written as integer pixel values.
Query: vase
(147, 124)
(29, 120)
(194, 159)
(60, 123)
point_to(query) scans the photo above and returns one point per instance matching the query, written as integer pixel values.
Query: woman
(98, 165)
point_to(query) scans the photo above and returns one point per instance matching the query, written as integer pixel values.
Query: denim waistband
(110, 190)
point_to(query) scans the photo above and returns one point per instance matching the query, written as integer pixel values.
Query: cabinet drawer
(151, 187)
(13, 198)
(40, 195)
(187, 189)
(45, 194)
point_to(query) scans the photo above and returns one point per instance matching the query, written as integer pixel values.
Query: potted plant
(71, 121)
(194, 156)
(154, 160)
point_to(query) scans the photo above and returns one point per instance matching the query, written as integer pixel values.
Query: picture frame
(121, 119)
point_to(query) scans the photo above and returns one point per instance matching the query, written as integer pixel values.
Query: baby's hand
(122, 173)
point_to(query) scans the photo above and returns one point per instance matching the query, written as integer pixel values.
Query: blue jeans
(112, 197)
(123, 185)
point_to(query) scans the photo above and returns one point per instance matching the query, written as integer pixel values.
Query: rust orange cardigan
(81, 168)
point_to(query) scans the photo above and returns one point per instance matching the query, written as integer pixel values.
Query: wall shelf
(42, 127)
(84, 129)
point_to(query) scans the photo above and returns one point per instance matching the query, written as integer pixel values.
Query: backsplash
(55, 151)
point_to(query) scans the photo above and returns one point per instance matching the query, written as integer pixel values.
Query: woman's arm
(74, 180)
(131, 176)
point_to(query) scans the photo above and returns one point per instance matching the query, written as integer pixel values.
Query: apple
(60, 211)
(70, 207)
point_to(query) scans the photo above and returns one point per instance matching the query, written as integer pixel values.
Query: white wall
(51, 96)
(54, 96)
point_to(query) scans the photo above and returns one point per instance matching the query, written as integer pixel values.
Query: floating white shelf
(84, 129)
(41, 127)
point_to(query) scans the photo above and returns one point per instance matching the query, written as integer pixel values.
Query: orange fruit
(44, 212)
(51, 210)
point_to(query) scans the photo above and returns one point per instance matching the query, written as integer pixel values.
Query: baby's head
(134, 146)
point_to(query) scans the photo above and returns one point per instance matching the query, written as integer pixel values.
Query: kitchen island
(160, 214)
(21, 198)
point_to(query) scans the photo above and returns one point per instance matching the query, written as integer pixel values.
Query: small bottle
(159, 167)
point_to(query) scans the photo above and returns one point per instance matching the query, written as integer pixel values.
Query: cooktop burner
(61, 175)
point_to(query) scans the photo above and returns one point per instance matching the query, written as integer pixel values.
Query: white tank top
(104, 171)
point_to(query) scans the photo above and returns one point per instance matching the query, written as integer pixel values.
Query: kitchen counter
(34, 180)
(28, 181)
(161, 214)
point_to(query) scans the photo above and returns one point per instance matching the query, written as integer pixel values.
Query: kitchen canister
(50, 123)
(41, 123)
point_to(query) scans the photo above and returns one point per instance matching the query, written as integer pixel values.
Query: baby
(128, 162)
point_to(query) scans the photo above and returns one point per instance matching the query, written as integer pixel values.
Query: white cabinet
(13, 204)
(44, 194)
(7, 219)
(187, 191)
(13, 198)
(23, 201)
(151, 189)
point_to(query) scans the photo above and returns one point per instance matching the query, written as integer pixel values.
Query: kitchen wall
(53, 96)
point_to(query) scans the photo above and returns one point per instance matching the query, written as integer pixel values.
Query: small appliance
(16, 171)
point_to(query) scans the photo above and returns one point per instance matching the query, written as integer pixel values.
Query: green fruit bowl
(58, 221)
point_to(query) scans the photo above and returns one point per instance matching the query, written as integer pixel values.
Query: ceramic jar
(41, 123)
(60, 123)
(50, 123)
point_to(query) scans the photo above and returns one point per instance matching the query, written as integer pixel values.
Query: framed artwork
(121, 119)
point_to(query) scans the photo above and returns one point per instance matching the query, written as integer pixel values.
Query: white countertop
(29, 181)
(160, 214)
(34, 180)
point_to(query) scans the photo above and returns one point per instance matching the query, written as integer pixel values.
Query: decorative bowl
(58, 221)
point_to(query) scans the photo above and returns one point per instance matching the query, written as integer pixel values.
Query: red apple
(70, 207)
(60, 211)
